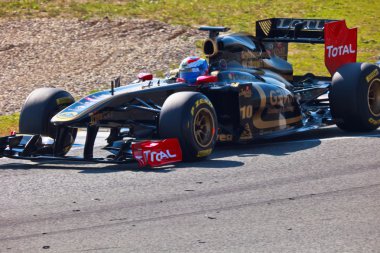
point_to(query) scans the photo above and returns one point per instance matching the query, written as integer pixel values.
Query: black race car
(250, 93)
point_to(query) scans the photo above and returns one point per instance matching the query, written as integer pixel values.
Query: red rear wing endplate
(340, 45)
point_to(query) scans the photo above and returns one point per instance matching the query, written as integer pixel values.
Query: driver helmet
(192, 67)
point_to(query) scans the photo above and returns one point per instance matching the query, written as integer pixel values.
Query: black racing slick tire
(40, 106)
(355, 97)
(190, 117)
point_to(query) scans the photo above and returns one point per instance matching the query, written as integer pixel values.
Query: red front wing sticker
(157, 153)
(340, 45)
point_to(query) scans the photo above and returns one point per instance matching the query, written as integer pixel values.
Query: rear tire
(190, 117)
(40, 106)
(355, 97)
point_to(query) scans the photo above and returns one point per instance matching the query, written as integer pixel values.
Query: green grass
(240, 15)
(9, 123)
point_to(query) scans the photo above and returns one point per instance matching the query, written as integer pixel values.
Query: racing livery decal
(372, 75)
(264, 108)
(204, 153)
(64, 100)
(340, 45)
(309, 24)
(374, 121)
(156, 153)
(283, 112)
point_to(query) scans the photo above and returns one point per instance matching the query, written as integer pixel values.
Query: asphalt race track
(314, 192)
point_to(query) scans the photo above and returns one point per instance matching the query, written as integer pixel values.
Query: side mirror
(206, 79)
(145, 76)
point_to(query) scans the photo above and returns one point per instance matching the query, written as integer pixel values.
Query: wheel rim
(203, 127)
(374, 97)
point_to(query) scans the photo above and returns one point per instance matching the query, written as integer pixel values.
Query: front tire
(190, 117)
(355, 97)
(40, 106)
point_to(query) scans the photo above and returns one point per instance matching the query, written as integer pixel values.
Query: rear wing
(340, 42)
(291, 30)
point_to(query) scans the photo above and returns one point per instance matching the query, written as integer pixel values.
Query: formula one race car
(247, 92)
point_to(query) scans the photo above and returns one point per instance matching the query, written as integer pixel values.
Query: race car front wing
(151, 153)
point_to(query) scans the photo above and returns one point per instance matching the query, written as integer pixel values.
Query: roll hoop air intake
(210, 46)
